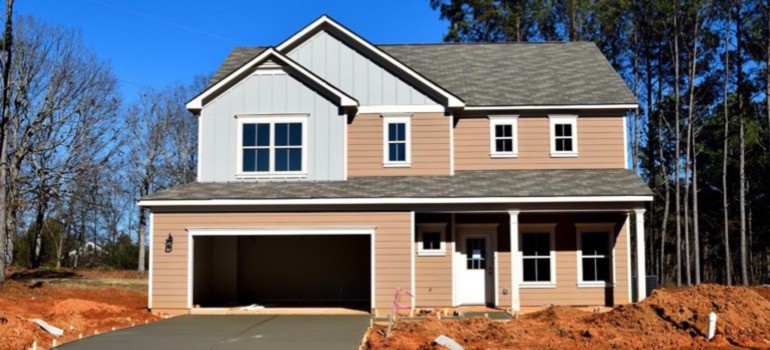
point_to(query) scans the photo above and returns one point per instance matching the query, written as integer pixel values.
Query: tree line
(75, 154)
(701, 137)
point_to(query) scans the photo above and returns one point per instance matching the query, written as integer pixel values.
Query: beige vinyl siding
(392, 246)
(430, 146)
(567, 292)
(600, 145)
(433, 279)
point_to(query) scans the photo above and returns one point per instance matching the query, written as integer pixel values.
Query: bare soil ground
(668, 319)
(77, 302)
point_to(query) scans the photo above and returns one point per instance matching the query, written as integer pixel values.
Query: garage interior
(282, 271)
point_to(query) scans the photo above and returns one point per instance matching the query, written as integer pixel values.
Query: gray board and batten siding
(271, 94)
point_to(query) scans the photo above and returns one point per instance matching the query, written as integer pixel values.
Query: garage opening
(282, 271)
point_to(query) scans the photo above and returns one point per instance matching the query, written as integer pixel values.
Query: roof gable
(216, 88)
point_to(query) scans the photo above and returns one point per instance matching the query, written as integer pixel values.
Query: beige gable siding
(567, 292)
(430, 146)
(600, 145)
(170, 270)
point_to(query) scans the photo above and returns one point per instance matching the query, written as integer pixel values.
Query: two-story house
(334, 171)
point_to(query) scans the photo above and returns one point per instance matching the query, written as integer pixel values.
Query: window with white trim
(431, 239)
(564, 140)
(538, 255)
(272, 146)
(397, 140)
(595, 255)
(503, 136)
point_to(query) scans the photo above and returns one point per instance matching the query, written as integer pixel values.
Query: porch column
(641, 273)
(515, 266)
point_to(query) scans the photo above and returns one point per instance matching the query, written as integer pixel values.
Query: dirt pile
(77, 309)
(667, 319)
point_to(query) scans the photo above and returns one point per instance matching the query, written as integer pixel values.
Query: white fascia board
(345, 100)
(452, 100)
(357, 201)
(281, 231)
(379, 109)
(551, 107)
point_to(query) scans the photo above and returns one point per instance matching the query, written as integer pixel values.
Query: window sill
(564, 154)
(397, 165)
(536, 285)
(246, 176)
(504, 155)
(431, 253)
(595, 285)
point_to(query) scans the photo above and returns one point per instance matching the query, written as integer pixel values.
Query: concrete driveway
(236, 332)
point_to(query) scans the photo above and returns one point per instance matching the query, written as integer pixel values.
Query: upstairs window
(397, 141)
(272, 145)
(503, 135)
(595, 256)
(563, 136)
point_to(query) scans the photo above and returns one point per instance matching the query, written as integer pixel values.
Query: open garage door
(282, 271)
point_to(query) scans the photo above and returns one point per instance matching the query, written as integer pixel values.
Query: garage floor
(236, 332)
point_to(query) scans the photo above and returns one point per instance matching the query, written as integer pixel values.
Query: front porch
(572, 257)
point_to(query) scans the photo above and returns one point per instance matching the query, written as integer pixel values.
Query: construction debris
(47, 327)
(448, 343)
(250, 307)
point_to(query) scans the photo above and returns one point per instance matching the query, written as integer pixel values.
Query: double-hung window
(503, 136)
(272, 146)
(564, 141)
(595, 255)
(538, 256)
(397, 140)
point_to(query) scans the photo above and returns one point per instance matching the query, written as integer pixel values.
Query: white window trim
(406, 119)
(549, 229)
(272, 119)
(564, 119)
(431, 227)
(595, 227)
(513, 121)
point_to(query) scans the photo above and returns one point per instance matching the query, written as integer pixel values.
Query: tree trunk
(677, 155)
(4, 120)
(695, 216)
(688, 273)
(37, 233)
(725, 151)
(742, 146)
(142, 230)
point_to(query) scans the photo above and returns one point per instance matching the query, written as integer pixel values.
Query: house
(333, 172)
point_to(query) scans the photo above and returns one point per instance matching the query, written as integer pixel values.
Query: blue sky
(158, 42)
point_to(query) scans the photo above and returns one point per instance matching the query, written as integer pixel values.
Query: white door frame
(461, 231)
(275, 231)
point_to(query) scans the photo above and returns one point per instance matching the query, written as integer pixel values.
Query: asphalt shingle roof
(465, 184)
(494, 74)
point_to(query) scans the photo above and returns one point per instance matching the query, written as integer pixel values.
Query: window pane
(397, 152)
(530, 267)
(603, 269)
(263, 134)
(263, 159)
(559, 145)
(559, 130)
(595, 243)
(249, 134)
(567, 129)
(589, 269)
(499, 131)
(396, 132)
(431, 240)
(281, 134)
(401, 131)
(295, 159)
(295, 134)
(505, 145)
(536, 244)
(507, 130)
(249, 159)
(567, 145)
(281, 159)
(392, 132)
(543, 270)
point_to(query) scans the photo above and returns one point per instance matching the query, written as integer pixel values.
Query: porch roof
(464, 184)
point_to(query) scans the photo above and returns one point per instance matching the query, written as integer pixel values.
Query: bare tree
(4, 121)
(726, 145)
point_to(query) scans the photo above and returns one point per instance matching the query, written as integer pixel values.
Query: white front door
(476, 271)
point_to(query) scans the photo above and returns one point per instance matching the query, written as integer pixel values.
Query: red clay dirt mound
(667, 319)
